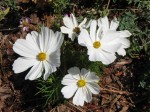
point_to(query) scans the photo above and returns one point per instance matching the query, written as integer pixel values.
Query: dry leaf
(123, 62)
(5, 93)
(49, 20)
(35, 19)
(23, 1)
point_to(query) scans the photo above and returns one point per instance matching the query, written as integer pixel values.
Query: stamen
(77, 30)
(41, 56)
(25, 23)
(96, 44)
(81, 83)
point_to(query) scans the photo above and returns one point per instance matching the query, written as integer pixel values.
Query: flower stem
(108, 4)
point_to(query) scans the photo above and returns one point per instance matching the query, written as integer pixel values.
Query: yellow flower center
(81, 83)
(41, 56)
(25, 23)
(96, 44)
(77, 30)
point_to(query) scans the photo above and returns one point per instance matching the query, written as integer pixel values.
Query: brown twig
(77, 108)
(113, 102)
(118, 82)
(112, 87)
(127, 9)
(115, 91)
(104, 97)
(9, 29)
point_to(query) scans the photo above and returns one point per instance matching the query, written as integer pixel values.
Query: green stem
(108, 4)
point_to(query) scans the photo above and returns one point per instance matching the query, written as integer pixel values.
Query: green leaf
(4, 13)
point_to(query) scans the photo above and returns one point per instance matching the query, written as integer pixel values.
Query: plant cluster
(72, 52)
(41, 51)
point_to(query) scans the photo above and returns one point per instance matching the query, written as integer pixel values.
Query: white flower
(71, 26)
(104, 23)
(101, 46)
(81, 83)
(39, 51)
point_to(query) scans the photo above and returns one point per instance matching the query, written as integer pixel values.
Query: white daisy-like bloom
(72, 28)
(81, 84)
(41, 51)
(104, 23)
(101, 46)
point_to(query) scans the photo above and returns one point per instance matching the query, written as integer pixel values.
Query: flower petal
(41, 38)
(125, 42)
(55, 42)
(105, 24)
(107, 58)
(68, 91)
(84, 38)
(60, 38)
(79, 98)
(50, 36)
(93, 30)
(74, 71)
(24, 48)
(35, 72)
(88, 94)
(35, 38)
(54, 58)
(32, 39)
(68, 22)
(47, 39)
(72, 36)
(93, 87)
(99, 22)
(121, 51)
(83, 22)
(84, 72)
(65, 30)
(48, 69)
(94, 55)
(68, 80)
(47, 36)
(26, 29)
(92, 77)
(21, 64)
(111, 47)
(34, 34)
(99, 34)
(99, 55)
(124, 33)
(87, 25)
(114, 24)
(110, 36)
(74, 20)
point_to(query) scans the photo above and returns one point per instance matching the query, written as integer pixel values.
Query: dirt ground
(119, 91)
